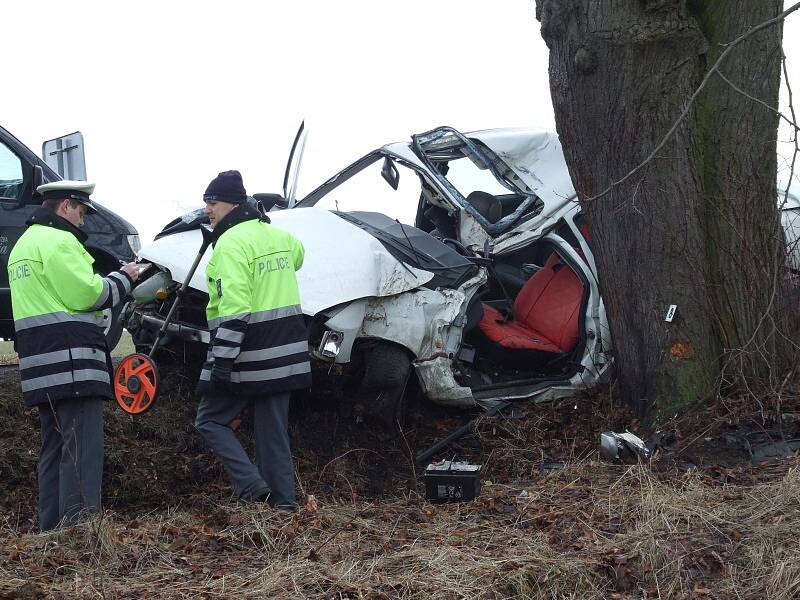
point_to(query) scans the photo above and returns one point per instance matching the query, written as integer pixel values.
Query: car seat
(545, 313)
(487, 205)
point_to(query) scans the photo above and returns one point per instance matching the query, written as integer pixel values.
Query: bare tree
(665, 111)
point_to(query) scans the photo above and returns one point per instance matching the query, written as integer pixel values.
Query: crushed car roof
(535, 156)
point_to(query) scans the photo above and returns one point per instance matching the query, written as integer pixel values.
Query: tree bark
(697, 226)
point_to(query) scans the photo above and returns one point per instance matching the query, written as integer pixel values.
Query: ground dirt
(552, 519)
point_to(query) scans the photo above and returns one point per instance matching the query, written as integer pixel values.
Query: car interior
(530, 323)
(10, 189)
(526, 322)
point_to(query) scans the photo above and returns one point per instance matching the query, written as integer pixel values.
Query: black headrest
(487, 205)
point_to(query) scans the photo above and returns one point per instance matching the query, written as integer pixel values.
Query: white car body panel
(342, 262)
(538, 159)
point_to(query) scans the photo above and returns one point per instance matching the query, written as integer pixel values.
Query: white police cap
(73, 190)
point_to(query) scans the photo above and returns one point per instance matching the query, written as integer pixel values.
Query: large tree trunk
(696, 227)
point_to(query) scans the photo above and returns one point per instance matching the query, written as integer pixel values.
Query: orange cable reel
(136, 384)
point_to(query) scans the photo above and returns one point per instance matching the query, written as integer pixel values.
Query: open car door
(293, 166)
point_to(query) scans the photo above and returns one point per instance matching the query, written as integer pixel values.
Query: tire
(387, 365)
(142, 339)
(383, 387)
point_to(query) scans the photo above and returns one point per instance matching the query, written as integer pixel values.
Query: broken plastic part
(614, 446)
(548, 466)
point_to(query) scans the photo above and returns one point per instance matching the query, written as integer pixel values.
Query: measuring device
(136, 378)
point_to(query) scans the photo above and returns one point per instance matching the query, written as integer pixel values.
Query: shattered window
(368, 191)
(10, 174)
(466, 177)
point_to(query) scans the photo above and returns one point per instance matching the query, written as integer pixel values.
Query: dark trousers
(71, 460)
(274, 474)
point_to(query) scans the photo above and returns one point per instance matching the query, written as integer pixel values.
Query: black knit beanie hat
(226, 187)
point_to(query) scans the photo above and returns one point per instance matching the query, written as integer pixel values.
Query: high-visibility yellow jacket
(57, 301)
(257, 327)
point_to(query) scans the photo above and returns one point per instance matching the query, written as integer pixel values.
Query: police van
(111, 239)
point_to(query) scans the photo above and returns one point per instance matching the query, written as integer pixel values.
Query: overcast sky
(167, 94)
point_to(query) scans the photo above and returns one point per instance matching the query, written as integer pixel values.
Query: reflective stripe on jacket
(257, 327)
(57, 300)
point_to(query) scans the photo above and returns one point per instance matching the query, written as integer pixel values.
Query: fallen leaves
(584, 529)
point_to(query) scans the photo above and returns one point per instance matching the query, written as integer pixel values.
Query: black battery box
(450, 481)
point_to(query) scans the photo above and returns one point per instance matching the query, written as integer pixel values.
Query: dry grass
(588, 531)
(7, 354)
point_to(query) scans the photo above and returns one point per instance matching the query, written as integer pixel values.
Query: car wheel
(383, 388)
(142, 339)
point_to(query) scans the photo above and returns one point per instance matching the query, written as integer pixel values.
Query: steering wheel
(458, 247)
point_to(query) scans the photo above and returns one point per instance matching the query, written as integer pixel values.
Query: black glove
(221, 373)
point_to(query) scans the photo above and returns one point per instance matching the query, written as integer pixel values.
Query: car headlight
(134, 243)
(155, 288)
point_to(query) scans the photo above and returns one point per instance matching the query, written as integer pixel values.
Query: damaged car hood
(342, 261)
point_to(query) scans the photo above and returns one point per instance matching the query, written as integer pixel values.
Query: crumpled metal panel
(438, 384)
(430, 324)
(342, 262)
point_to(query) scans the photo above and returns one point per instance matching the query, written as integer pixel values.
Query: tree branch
(757, 101)
(714, 69)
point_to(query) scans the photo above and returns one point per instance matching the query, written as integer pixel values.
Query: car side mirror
(389, 173)
(267, 201)
(37, 178)
(29, 194)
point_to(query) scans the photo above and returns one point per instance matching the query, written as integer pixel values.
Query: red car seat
(545, 312)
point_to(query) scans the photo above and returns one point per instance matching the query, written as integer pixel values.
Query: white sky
(167, 94)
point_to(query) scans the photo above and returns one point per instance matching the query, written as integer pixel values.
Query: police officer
(259, 343)
(64, 361)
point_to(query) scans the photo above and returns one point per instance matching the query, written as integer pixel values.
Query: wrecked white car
(486, 292)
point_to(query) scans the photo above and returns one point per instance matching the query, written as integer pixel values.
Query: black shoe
(287, 506)
(262, 496)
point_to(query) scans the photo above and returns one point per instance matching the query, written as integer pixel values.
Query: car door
(14, 190)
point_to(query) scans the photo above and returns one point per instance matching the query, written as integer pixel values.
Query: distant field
(9, 357)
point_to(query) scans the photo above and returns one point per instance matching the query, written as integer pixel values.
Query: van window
(10, 174)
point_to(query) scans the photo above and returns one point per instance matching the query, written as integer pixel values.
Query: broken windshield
(465, 167)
